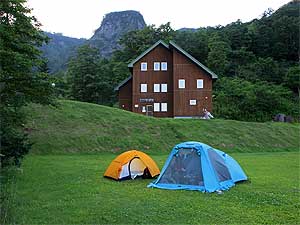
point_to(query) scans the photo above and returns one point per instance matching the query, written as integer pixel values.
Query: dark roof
(147, 51)
(172, 44)
(213, 75)
(123, 83)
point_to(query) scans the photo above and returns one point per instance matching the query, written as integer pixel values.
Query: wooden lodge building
(166, 81)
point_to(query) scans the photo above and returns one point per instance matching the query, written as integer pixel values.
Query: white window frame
(181, 83)
(200, 83)
(156, 66)
(193, 102)
(164, 66)
(164, 107)
(144, 66)
(164, 88)
(156, 88)
(156, 107)
(143, 88)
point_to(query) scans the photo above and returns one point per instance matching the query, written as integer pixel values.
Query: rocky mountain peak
(113, 26)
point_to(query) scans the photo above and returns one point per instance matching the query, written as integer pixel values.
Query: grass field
(60, 181)
(82, 127)
(70, 189)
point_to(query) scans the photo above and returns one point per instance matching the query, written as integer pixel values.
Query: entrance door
(149, 110)
(137, 168)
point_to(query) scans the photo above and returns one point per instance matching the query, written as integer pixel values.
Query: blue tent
(197, 166)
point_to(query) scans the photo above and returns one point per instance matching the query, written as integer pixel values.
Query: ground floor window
(156, 107)
(193, 102)
(164, 107)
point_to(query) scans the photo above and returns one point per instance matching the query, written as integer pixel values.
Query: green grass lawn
(70, 189)
(60, 181)
(82, 127)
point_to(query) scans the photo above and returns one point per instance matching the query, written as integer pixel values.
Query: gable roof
(172, 44)
(147, 51)
(213, 75)
(123, 83)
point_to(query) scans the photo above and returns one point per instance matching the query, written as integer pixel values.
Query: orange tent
(132, 164)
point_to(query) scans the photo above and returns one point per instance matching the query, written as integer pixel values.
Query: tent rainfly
(197, 166)
(130, 165)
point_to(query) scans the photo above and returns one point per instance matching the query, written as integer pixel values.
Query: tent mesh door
(219, 165)
(184, 168)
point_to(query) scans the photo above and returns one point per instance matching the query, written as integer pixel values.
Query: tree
(292, 80)
(237, 35)
(137, 41)
(240, 58)
(82, 71)
(218, 53)
(251, 101)
(194, 42)
(268, 69)
(21, 79)
(90, 77)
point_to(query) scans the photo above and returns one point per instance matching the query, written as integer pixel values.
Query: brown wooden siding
(125, 96)
(185, 69)
(151, 77)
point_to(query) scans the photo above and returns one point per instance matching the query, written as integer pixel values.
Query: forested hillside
(59, 49)
(257, 64)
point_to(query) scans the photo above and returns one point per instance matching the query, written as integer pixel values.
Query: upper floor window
(199, 83)
(164, 87)
(156, 66)
(143, 87)
(164, 66)
(156, 88)
(143, 66)
(181, 83)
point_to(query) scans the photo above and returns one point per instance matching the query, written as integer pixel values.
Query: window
(164, 66)
(199, 83)
(156, 88)
(156, 66)
(193, 102)
(143, 87)
(143, 66)
(164, 87)
(136, 106)
(181, 83)
(164, 107)
(156, 107)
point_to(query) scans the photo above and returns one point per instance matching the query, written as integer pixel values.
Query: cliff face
(113, 26)
(106, 37)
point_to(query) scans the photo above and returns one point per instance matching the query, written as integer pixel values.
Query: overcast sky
(80, 18)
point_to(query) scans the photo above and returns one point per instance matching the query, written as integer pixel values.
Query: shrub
(239, 99)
